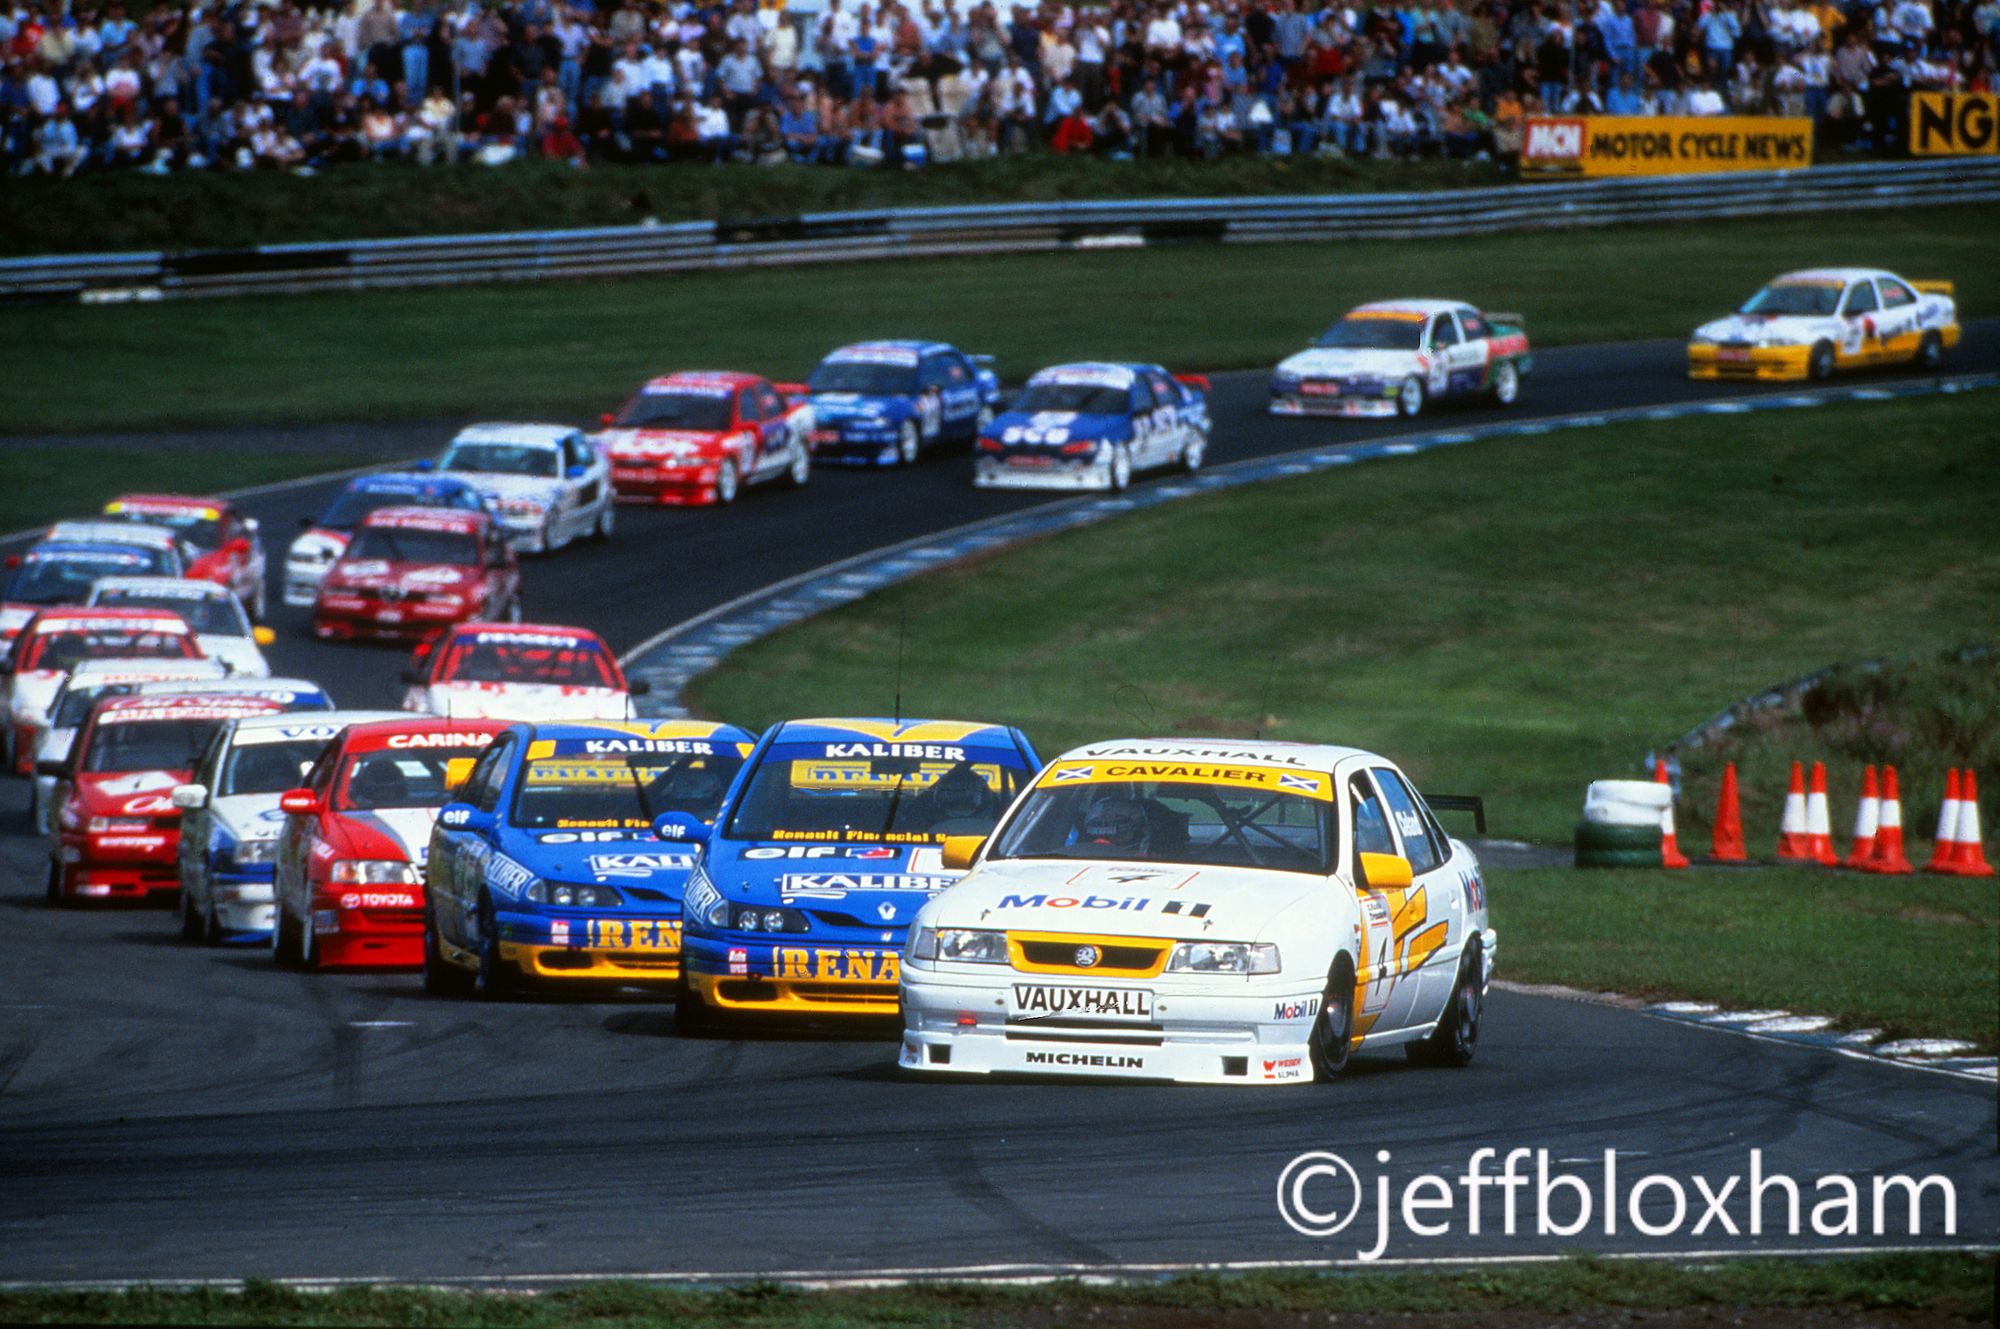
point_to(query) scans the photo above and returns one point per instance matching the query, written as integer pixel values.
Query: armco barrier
(1006, 228)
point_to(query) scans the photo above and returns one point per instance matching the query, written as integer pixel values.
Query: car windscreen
(400, 778)
(621, 790)
(64, 650)
(65, 578)
(696, 412)
(1077, 398)
(408, 545)
(864, 377)
(72, 705)
(148, 745)
(208, 615)
(1374, 334)
(496, 658)
(200, 528)
(1796, 299)
(267, 768)
(502, 459)
(821, 791)
(1243, 818)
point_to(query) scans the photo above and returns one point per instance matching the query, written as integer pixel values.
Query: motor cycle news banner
(1606, 145)
(1527, 1194)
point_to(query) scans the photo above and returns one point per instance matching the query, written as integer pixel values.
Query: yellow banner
(1308, 784)
(1954, 124)
(1664, 144)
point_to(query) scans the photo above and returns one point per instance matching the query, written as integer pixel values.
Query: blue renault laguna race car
(828, 845)
(1093, 426)
(546, 868)
(883, 403)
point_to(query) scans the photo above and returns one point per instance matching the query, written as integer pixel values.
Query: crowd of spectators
(248, 84)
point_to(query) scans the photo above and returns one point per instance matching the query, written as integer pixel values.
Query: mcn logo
(1954, 124)
(1555, 139)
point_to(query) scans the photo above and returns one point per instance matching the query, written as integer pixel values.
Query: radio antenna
(902, 631)
(1264, 694)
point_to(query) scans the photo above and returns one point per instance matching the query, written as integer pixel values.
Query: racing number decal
(1397, 939)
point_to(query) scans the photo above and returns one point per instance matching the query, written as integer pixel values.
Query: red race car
(350, 860)
(410, 571)
(55, 640)
(221, 543)
(118, 833)
(698, 438)
(518, 671)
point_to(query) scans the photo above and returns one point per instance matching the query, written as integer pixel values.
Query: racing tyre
(54, 896)
(726, 484)
(512, 613)
(441, 977)
(211, 925)
(1194, 453)
(1410, 397)
(259, 603)
(601, 531)
(693, 1017)
(1456, 1037)
(1930, 353)
(800, 470)
(308, 952)
(1121, 469)
(1619, 858)
(190, 921)
(494, 980)
(283, 949)
(908, 443)
(1332, 1039)
(1819, 362)
(1506, 387)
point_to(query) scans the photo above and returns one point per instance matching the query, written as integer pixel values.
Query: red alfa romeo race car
(698, 438)
(518, 671)
(350, 859)
(219, 541)
(58, 639)
(117, 832)
(409, 571)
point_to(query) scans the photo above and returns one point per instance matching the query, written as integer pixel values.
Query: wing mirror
(605, 419)
(960, 850)
(262, 635)
(189, 797)
(1382, 872)
(681, 828)
(576, 472)
(425, 465)
(465, 817)
(299, 803)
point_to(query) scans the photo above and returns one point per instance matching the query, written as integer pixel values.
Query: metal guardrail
(1006, 228)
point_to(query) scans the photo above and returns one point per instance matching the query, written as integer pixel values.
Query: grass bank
(39, 485)
(570, 350)
(1777, 939)
(108, 213)
(1856, 1292)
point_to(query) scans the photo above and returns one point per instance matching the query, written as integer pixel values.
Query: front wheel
(1930, 353)
(1819, 362)
(726, 483)
(1194, 453)
(1456, 1037)
(800, 470)
(189, 920)
(1410, 397)
(281, 939)
(602, 530)
(495, 980)
(54, 895)
(1506, 383)
(441, 978)
(1121, 468)
(1332, 1040)
(908, 443)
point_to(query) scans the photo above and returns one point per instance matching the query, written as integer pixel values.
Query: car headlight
(562, 893)
(759, 918)
(375, 872)
(703, 903)
(1223, 957)
(249, 853)
(966, 945)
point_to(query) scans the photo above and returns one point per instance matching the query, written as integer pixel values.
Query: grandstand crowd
(269, 84)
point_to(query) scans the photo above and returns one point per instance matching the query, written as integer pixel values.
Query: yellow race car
(1806, 325)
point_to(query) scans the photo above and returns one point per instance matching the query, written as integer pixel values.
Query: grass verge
(1957, 1286)
(107, 213)
(38, 485)
(1779, 939)
(570, 350)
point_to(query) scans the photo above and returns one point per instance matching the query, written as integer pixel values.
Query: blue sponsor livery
(1093, 426)
(883, 403)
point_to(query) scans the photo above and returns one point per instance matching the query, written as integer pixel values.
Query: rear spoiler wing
(1943, 288)
(983, 361)
(1199, 381)
(795, 394)
(1472, 803)
(1511, 320)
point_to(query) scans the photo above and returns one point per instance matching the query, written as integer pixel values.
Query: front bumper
(836, 446)
(959, 1023)
(528, 532)
(1365, 405)
(245, 903)
(1770, 364)
(345, 618)
(669, 486)
(128, 866)
(302, 582)
(351, 929)
(1032, 472)
(800, 977)
(632, 951)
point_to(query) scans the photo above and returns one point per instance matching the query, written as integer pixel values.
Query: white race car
(546, 484)
(1395, 356)
(221, 628)
(1807, 324)
(1204, 910)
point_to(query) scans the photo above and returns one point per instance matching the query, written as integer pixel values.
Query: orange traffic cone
(1670, 845)
(1867, 816)
(1889, 833)
(1970, 858)
(1727, 845)
(1792, 845)
(1944, 846)
(1819, 821)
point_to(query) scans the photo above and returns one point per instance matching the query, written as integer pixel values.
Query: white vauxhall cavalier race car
(1202, 910)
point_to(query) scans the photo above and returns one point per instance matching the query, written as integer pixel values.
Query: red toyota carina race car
(221, 543)
(409, 571)
(696, 438)
(118, 833)
(350, 859)
(55, 640)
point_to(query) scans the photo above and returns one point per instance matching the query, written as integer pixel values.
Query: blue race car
(322, 539)
(882, 403)
(827, 846)
(1092, 426)
(547, 867)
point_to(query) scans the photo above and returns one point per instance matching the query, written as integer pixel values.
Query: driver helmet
(1117, 824)
(960, 792)
(378, 783)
